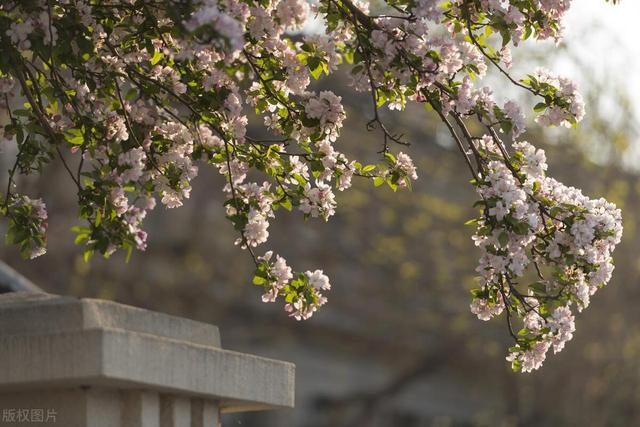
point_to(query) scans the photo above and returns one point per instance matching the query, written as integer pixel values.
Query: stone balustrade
(70, 362)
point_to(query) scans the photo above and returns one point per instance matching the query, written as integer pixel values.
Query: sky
(606, 36)
(604, 49)
(601, 52)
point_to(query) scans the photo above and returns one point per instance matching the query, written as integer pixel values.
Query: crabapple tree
(134, 96)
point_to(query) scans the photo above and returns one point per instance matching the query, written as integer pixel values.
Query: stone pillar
(91, 363)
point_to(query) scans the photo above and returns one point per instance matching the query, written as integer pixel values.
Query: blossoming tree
(132, 96)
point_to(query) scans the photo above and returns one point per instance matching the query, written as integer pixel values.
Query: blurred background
(396, 345)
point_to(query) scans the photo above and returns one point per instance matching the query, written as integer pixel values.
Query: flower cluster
(531, 223)
(303, 292)
(565, 106)
(543, 18)
(27, 225)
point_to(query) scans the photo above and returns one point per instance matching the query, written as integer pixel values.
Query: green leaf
(75, 137)
(349, 57)
(309, 122)
(521, 228)
(9, 238)
(536, 186)
(315, 66)
(538, 288)
(539, 107)
(131, 94)
(81, 238)
(506, 126)
(286, 203)
(316, 72)
(88, 253)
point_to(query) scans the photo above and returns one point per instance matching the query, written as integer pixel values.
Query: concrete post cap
(49, 341)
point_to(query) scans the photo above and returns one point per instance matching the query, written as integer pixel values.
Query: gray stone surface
(49, 314)
(12, 281)
(104, 407)
(204, 413)
(140, 409)
(49, 342)
(175, 411)
(64, 407)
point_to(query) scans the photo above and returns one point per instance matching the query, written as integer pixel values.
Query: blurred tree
(387, 318)
(139, 95)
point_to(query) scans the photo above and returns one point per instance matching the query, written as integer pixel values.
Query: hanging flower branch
(142, 93)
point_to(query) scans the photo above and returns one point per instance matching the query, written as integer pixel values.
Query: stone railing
(70, 362)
